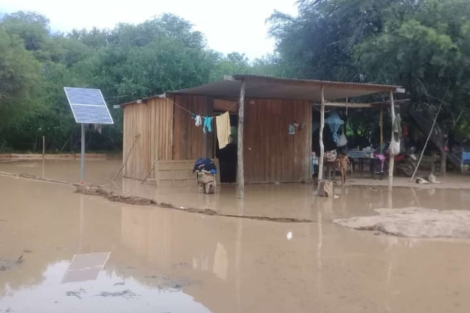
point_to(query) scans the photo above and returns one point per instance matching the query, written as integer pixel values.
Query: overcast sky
(229, 26)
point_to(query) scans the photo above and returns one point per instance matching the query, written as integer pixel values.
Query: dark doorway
(228, 155)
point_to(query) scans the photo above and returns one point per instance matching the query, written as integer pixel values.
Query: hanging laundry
(207, 125)
(98, 128)
(342, 141)
(198, 120)
(381, 158)
(334, 122)
(223, 129)
(395, 145)
(397, 131)
(291, 129)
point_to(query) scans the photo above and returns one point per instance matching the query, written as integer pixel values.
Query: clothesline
(197, 114)
(222, 122)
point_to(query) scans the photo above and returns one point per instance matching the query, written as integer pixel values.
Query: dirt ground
(66, 252)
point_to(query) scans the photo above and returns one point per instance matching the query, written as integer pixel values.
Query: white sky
(229, 26)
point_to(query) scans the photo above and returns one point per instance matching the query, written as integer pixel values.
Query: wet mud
(414, 223)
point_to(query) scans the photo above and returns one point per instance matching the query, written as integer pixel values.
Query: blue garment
(204, 164)
(465, 157)
(207, 125)
(334, 122)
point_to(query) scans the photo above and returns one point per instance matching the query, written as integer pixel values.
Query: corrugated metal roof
(315, 81)
(269, 87)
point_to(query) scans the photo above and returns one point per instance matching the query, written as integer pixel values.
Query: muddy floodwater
(66, 252)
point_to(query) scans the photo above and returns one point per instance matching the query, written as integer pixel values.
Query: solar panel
(88, 106)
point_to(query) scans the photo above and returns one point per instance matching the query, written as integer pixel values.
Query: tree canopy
(422, 45)
(126, 63)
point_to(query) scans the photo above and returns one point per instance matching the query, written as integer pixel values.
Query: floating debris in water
(76, 294)
(172, 284)
(124, 294)
(183, 264)
(8, 265)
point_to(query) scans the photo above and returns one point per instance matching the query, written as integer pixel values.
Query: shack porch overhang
(270, 94)
(320, 92)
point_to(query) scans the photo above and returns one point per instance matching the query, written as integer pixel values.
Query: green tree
(422, 45)
(19, 74)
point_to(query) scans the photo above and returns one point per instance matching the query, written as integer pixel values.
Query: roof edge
(378, 87)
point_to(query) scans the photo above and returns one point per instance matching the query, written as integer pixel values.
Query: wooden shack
(161, 140)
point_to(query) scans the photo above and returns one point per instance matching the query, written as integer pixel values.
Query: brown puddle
(87, 254)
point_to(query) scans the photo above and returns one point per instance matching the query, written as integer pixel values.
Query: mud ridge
(32, 177)
(133, 200)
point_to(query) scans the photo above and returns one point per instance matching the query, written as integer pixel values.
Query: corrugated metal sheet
(268, 87)
(313, 81)
(262, 87)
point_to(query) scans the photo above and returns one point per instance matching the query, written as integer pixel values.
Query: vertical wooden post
(43, 147)
(381, 122)
(207, 141)
(391, 162)
(322, 126)
(240, 171)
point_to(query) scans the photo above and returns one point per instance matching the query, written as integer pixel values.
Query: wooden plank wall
(153, 120)
(160, 112)
(136, 122)
(270, 153)
(188, 143)
(179, 173)
(169, 133)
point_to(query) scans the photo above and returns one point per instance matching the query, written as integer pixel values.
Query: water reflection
(51, 296)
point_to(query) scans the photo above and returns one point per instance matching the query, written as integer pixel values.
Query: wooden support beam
(207, 140)
(322, 126)
(360, 105)
(240, 170)
(348, 105)
(381, 123)
(43, 146)
(391, 162)
(127, 158)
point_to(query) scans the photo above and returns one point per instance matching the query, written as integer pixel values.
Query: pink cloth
(381, 157)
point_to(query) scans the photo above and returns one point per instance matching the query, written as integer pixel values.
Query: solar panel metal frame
(89, 105)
